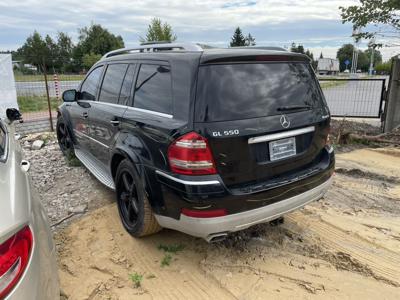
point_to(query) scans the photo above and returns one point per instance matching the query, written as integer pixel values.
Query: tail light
(191, 155)
(14, 257)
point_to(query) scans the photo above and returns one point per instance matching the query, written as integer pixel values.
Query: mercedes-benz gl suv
(204, 141)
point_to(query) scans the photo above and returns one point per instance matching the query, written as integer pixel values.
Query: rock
(80, 209)
(37, 145)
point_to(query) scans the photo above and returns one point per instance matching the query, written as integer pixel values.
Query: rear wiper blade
(294, 107)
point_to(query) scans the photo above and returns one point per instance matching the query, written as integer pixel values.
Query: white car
(28, 268)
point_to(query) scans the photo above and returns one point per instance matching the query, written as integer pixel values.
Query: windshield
(243, 91)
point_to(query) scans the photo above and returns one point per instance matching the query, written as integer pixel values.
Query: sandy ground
(346, 246)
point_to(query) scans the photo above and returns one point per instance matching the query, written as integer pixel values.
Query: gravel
(65, 189)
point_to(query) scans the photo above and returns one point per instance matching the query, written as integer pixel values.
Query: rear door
(79, 111)
(106, 113)
(263, 120)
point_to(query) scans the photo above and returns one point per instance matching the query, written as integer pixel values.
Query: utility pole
(371, 65)
(355, 52)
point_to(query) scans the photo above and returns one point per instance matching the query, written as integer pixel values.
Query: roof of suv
(211, 55)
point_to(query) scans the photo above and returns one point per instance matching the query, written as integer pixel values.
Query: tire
(64, 137)
(133, 206)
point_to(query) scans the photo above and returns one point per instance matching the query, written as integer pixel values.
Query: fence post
(392, 118)
(48, 97)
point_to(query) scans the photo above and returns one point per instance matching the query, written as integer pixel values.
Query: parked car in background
(28, 268)
(204, 141)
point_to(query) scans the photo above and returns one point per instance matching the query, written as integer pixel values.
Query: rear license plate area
(281, 149)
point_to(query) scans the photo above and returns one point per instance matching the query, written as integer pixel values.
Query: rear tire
(133, 206)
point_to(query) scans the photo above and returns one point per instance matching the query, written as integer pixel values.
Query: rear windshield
(243, 91)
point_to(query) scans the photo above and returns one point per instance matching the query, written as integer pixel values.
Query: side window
(153, 90)
(89, 86)
(127, 85)
(112, 83)
(2, 142)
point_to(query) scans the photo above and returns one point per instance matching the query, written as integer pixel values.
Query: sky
(316, 24)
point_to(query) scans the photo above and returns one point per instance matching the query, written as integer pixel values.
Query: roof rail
(261, 48)
(155, 47)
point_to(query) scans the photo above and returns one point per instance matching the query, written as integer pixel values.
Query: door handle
(114, 122)
(85, 114)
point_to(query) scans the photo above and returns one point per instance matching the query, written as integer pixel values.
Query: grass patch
(168, 251)
(331, 84)
(136, 279)
(166, 261)
(40, 77)
(36, 103)
(72, 161)
(173, 248)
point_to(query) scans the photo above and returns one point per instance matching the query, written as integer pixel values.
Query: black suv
(204, 141)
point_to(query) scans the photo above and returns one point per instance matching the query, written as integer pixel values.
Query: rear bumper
(208, 228)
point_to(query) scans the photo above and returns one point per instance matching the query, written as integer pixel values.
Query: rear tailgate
(238, 109)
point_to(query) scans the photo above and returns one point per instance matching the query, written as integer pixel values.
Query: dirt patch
(345, 246)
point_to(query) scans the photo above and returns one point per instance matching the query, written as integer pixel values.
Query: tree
(376, 12)
(346, 53)
(384, 68)
(36, 51)
(377, 56)
(321, 56)
(238, 40)
(157, 31)
(65, 49)
(297, 48)
(95, 40)
(90, 59)
(250, 40)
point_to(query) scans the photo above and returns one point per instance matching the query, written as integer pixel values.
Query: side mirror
(13, 114)
(69, 96)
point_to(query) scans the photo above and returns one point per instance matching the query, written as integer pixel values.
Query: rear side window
(2, 142)
(153, 89)
(89, 86)
(112, 83)
(243, 91)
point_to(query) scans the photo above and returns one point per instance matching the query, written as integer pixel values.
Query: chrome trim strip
(280, 135)
(156, 113)
(89, 137)
(187, 182)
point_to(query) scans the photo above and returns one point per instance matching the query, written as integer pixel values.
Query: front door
(107, 112)
(80, 110)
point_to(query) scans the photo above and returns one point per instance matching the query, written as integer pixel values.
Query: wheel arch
(123, 152)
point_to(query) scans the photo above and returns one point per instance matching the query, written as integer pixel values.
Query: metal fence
(38, 102)
(354, 97)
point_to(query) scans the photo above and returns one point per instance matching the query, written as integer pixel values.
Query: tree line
(60, 54)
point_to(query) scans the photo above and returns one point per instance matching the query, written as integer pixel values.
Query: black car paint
(144, 139)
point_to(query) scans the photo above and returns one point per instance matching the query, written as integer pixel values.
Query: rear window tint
(127, 85)
(153, 90)
(243, 91)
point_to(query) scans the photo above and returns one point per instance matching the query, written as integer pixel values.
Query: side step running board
(93, 166)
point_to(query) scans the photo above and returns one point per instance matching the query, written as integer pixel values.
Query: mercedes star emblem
(285, 122)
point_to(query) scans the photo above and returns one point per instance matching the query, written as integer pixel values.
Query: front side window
(153, 89)
(89, 86)
(112, 83)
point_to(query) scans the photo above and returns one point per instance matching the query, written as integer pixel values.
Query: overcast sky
(314, 23)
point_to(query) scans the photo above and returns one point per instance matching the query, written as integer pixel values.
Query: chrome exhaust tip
(217, 237)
